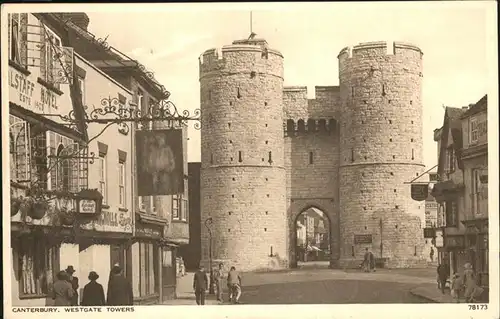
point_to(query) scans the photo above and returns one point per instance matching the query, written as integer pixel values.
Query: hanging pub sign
(89, 202)
(419, 192)
(160, 162)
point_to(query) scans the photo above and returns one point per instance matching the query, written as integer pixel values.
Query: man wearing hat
(74, 283)
(119, 289)
(93, 293)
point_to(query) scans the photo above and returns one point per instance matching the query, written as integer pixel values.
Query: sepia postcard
(261, 160)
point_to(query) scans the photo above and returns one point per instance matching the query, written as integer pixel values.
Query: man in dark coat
(442, 271)
(74, 283)
(119, 289)
(93, 293)
(200, 285)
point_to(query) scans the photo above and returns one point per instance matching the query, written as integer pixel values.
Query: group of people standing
(65, 289)
(461, 285)
(200, 284)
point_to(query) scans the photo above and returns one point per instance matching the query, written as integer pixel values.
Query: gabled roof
(480, 106)
(453, 124)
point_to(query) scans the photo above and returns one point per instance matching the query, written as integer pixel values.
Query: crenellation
(259, 172)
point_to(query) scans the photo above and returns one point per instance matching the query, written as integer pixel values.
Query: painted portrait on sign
(160, 169)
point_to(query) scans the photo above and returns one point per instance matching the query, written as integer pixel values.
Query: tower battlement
(242, 56)
(380, 48)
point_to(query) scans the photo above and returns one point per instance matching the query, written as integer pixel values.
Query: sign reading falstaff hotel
(26, 92)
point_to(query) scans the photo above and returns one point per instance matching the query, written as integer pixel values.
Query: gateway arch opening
(312, 239)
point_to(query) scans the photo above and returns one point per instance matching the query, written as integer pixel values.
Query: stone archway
(326, 210)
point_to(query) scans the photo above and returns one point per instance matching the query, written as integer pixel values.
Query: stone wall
(243, 171)
(381, 148)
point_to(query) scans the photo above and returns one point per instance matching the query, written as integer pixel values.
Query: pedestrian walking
(93, 292)
(119, 289)
(372, 262)
(234, 284)
(219, 278)
(432, 254)
(200, 285)
(472, 290)
(74, 283)
(456, 287)
(62, 292)
(366, 260)
(442, 271)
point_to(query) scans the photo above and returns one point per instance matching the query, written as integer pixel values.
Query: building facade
(160, 222)
(253, 187)
(48, 156)
(475, 163)
(449, 190)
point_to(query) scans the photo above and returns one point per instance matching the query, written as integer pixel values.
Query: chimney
(81, 19)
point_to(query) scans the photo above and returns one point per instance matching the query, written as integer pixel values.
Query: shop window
(52, 52)
(103, 177)
(451, 214)
(122, 178)
(17, 38)
(18, 133)
(148, 264)
(38, 264)
(175, 207)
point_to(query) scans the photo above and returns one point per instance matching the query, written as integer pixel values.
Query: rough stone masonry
(269, 153)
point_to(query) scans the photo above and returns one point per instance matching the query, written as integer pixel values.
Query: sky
(455, 37)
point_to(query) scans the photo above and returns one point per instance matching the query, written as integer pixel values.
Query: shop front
(153, 262)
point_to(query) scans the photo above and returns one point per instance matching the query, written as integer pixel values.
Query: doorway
(312, 244)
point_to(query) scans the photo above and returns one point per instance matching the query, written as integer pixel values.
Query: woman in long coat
(62, 291)
(93, 292)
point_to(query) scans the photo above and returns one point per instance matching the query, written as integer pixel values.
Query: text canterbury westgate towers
(268, 153)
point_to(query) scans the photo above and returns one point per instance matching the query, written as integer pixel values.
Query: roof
(480, 106)
(453, 124)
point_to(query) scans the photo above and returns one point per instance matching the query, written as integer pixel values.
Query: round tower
(380, 150)
(243, 180)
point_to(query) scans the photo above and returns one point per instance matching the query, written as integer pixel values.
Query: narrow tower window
(211, 158)
(383, 90)
(209, 95)
(228, 125)
(240, 157)
(270, 158)
(412, 154)
(238, 95)
(311, 157)
(352, 155)
(352, 91)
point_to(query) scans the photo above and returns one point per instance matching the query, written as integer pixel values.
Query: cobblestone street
(324, 286)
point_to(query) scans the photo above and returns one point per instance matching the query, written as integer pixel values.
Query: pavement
(317, 285)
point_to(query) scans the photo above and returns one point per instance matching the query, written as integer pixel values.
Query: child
(456, 285)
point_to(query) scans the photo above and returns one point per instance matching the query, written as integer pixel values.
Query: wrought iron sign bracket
(91, 158)
(115, 112)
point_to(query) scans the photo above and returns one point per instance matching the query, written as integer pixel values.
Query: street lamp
(208, 223)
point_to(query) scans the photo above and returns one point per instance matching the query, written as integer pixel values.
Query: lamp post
(208, 223)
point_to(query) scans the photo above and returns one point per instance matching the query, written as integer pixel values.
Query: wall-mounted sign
(150, 231)
(419, 192)
(26, 92)
(363, 239)
(110, 221)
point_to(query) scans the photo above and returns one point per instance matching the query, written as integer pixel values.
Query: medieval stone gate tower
(268, 153)
(381, 149)
(242, 174)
